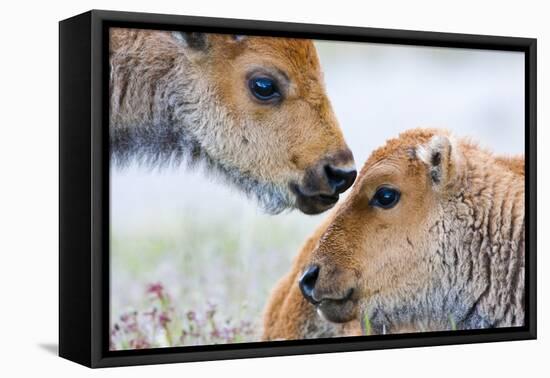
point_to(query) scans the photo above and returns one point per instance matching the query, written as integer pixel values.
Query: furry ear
(440, 158)
(195, 41)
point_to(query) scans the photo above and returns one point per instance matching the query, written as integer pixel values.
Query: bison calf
(252, 109)
(430, 238)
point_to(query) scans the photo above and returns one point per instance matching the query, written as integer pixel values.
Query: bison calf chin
(430, 238)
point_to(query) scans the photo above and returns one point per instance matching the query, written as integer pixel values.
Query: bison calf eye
(264, 88)
(385, 197)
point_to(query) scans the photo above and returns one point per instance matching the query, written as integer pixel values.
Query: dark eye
(385, 197)
(264, 88)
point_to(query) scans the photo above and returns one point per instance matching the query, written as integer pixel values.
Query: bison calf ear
(195, 41)
(441, 160)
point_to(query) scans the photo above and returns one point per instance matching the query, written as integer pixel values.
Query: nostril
(340, 179)
(307, 282)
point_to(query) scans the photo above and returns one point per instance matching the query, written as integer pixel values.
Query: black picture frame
(84, 188)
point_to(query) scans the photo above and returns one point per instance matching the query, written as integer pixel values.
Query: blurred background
(193, 261)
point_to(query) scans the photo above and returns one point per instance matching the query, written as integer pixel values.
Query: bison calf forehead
(300, 54)
(403, 147)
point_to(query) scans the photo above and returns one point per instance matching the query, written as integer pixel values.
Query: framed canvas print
(234, 188)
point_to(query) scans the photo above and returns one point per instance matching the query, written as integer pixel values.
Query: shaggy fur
(184, 97)
(449, 255)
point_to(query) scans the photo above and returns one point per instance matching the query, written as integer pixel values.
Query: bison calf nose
(324, 181)
(339, 179)
(307, 282)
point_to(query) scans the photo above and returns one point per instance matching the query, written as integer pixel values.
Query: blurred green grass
(202, 259)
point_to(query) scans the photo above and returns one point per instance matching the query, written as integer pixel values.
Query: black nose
(307, 282)
(339, 179)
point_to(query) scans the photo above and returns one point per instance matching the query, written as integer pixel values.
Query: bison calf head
(253, 108)
(274, 125)
(390, 254)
